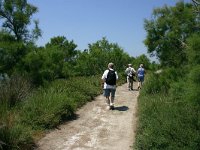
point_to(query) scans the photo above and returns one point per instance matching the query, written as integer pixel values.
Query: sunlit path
(96, 127)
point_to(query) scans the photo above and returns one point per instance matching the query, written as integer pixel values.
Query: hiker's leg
(138, 82)
(107, 95)
(141, 81)
(127, 78)
(112, 97)
(107, 100)
(131, 84)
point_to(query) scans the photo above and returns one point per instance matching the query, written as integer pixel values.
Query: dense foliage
(16, 16)
(169, 103)
(24, 115)
(167, 32)
(42, 86)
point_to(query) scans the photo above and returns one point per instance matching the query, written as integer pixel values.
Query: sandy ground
(97, 128)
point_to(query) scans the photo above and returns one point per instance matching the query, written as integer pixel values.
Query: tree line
(173, 35)
(59, 58)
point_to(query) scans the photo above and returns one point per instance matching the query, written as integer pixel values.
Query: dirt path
(97, 128)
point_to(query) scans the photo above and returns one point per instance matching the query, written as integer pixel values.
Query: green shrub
(156, 83)
(48, 106)
(169, 118)
(45, 109)
(167, 124)
(192, 49)
(194, 75)
(16, 137)
(14, 90)
(13, 134)
(178, 90)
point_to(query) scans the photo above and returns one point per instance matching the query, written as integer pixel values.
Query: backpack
(111, 78)
(131, 74)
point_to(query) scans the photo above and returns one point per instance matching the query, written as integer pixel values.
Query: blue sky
(87, 21)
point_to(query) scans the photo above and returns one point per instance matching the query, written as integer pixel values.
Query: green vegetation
(169, 103)
(40, 87)
(168, 117)
(167, 33)
(44, 108)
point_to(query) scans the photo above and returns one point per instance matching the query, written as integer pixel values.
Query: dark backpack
(131, 74)
(111, 78)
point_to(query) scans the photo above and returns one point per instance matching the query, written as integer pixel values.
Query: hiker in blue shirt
(109, 78)
(140, 75)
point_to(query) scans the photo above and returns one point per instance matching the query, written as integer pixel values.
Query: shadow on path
(121, 108)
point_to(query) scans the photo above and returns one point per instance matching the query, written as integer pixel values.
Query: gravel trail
(96, 128)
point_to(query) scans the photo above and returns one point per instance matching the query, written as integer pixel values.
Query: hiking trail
(97, 128)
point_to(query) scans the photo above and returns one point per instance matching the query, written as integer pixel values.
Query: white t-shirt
(130, 69)
(104, 76)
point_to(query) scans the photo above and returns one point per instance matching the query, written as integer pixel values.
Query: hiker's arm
(102, 83)
(103, 78)
(116, 75)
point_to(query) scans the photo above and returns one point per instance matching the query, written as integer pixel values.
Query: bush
(22, 117)
(168, 120)
(14, 90)
(167, 124)
(45, 109)
(156, 83)
(13, 134)
(48, 106)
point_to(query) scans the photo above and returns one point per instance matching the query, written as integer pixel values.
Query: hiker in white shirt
(109, 78)
(130, 72)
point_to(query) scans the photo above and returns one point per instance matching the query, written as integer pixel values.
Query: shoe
(112, 107)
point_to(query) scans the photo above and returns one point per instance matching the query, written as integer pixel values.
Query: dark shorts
(107, 92)
(141, 79)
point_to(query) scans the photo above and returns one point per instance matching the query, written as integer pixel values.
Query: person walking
(140, 75)
(130, 72)
(109, 78)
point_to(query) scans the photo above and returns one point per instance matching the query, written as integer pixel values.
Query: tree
(95, 60)
(60, 43)
(55, 60)
(63, 54)
(167, 32)
(192, 50)
(11, 52)
(142, 59)
(16, 15)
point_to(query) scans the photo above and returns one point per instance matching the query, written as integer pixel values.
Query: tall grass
(13, 135)
(168, 118)
(24, 116)
(14, 90)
